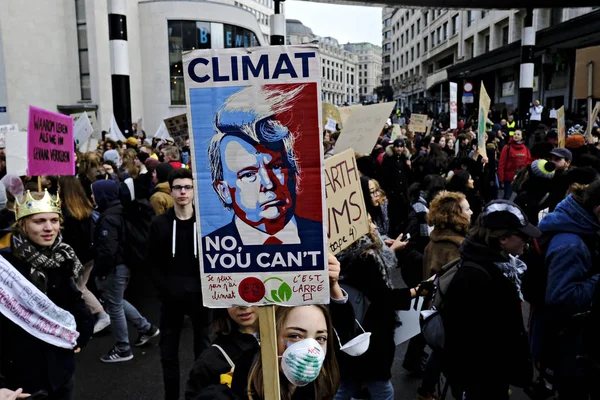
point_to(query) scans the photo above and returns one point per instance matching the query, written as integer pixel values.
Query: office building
(369, 69)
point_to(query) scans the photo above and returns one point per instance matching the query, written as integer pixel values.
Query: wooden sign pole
(39, 179)
(268, 352)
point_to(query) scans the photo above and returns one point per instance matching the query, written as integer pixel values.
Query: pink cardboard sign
(50, 144)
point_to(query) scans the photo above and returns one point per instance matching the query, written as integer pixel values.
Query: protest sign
(16, 153)
(453, 105)
(396, 132)
(255, 126)
(363, 127)
(410, 322)
(346, 212)
(345, 113)
(418, 123)
(329, 111)
(83, 130)
(162, 132)
(592, 119)
(331, 125)
(114, 133)
(560, 120)
(178, 129)
(583, 57)
(484, 108)
(50, 143)
(9, 128)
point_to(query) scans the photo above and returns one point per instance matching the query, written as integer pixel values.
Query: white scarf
(25, 305)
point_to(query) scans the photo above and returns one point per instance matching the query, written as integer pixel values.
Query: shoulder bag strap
(231, 364)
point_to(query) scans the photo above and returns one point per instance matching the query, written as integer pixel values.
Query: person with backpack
(112, 272)
(571, 273)
(486, 346)
(174, 262)
(514, 156)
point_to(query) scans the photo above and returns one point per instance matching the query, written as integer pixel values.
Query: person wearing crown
(43, 318)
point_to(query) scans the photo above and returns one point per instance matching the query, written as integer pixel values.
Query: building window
(418, 26)
(425, 44)
(556, 16)
(505, 35)
(454, 24)
(439, 35)
(486, 41)
(402, 39)
(445, 30)
(425, 17)
(412, 31)
(433, 39)
(418, 50)
(470, 18)
(235, 36)
(484, 14)
(402, 60)
(82, 43)
(412, 54)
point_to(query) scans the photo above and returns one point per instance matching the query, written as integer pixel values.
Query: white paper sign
(363, 127)
(9, 128)
(115, 133)
(82, 130)
(410, 323)
(331, 125)
(16, 153)
(453, 105)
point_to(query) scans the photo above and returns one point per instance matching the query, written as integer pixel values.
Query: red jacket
(514, 156)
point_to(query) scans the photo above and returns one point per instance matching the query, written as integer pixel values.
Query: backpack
(535, 278)
(137, 217)
(432, 324)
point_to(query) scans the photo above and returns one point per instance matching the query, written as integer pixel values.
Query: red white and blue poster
(258, 163)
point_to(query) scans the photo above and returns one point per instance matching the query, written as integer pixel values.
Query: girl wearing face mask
(39, 273)
(486, 347)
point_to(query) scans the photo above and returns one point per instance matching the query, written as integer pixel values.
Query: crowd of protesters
(521, 214)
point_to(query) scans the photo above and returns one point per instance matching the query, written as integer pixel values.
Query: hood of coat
(570, 217)
(389, 151)
(163, 188)
(105, 193)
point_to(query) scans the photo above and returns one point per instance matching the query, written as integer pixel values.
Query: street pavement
(141, 378)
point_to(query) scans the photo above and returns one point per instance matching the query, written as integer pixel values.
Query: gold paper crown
(32, 206)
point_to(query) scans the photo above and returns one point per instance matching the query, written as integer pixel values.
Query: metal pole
(527, 68)
(119, 64)
(441, 99)
(278, 25)
(590, 93)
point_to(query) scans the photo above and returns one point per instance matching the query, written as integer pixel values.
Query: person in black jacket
(486, 344)
(112, 273)
(29, 361)
(174, 262)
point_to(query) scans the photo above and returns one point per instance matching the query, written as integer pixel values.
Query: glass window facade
(194, 35)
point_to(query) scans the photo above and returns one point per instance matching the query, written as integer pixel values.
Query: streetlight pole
(278, 25)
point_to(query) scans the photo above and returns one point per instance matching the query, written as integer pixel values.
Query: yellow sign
(560, 119)
(484, 108)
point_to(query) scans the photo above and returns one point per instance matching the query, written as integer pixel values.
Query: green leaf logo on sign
(280, 295)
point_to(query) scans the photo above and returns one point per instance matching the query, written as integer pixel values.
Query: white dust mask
(357, 346)
(301, 362)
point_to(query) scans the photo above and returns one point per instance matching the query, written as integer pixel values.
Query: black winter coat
(363, 273)
(211, 364)
(486, 344)
(29, 363)
(79, 234)
(108, 240)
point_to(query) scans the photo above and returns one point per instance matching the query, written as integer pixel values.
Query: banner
(418, 123)
(560, 120)
(363, 127)
(256, 136)
(16, 153)
(50, 143)
(484, 108)
(453, 105)
(178, 129)
(83, 130)
(346, 212)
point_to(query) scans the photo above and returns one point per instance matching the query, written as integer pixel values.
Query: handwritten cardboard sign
(256, 133)
(50, 143)
(178, 129)
(346, 213)
(453, 105)
(418, 123)
(16, 153)
(484, 108)
(363, 128)
(560, 120)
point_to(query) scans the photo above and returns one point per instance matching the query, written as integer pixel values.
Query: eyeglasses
(375, 192)
(181, 187)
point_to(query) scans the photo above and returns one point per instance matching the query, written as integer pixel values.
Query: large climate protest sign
(346, 213)
(50, 143)
(255, 123)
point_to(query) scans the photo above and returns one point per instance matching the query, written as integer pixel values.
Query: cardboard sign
(560, 120)
(16, 153)
(363, 128)
(484, 108)
(256, 136)
(345, 112)
(83, 130)
(331, 125)
(346, 212)
(592, 119)
(396, 132)
(329, 111)
(453, 105)
(50, 143)
(418, 123)
(178, 129)
(582, 59)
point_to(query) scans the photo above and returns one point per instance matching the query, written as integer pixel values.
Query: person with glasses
(173, 258)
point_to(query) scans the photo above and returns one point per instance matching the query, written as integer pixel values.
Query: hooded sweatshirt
(514, 156)
(109, 230)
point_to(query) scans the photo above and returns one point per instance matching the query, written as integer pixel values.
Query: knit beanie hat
(575, 142)
(543, 169)
(142, 156)
(151, 163)
(112, 155)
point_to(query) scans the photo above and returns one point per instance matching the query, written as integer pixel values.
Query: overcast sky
(342, 22)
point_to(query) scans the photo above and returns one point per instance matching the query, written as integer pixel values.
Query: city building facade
(369, 69)
(430, 47)
(339, 83)
(66, 66)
